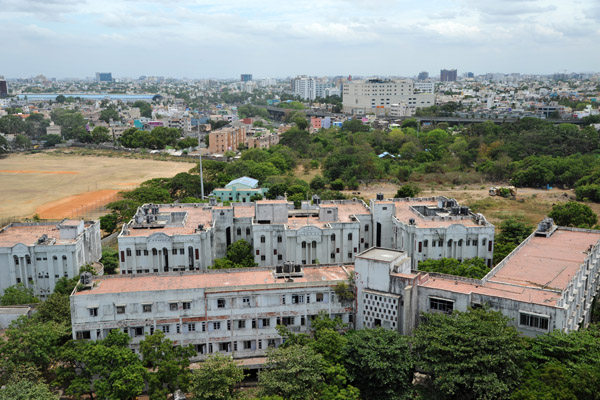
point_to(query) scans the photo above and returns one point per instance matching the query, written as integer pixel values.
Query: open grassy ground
(531, 205)
(59, 185)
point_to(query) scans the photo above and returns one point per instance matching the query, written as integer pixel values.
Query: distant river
(87, 96)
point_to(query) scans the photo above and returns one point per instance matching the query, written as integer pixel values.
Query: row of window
(28, 259)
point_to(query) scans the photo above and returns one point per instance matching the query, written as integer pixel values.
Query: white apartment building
(424, 87)
(308, 88)
(38, 254)
(228, 311)
(547, 283)
(377, 95)
(184, 237)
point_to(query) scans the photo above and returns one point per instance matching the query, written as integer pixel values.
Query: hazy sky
(278, 38)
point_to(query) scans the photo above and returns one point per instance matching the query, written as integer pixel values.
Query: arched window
(484, 241)
(349, 236)
(450, 243)
(54, 258)
(303, 245)
(27, 259)
(128, 252)
(314, 244)
(64, 258)
(425, 243)
(16, 260)
(239, 231)
(154, 252)
(460, 243)
(262, 239)
(333, 237)
(279, 239)
(247, 231)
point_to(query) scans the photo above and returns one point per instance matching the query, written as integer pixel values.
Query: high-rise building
(448, 75)
(423, 75)
(246, 77)
(308, 88)
(3, 88)
(103, 77)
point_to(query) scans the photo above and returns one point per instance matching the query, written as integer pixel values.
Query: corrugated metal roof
(244, 180)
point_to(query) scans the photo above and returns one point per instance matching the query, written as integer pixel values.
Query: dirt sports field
(58, 186)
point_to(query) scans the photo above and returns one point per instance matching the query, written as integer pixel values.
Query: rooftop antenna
(200, 165)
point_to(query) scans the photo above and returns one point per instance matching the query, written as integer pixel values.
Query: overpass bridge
(279, 113)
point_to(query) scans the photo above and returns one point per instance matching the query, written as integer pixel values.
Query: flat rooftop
(195, 216)
(29, 235)
(538, 272)
(404, 214)
(385, 255)
(219, 280)
(547, 262)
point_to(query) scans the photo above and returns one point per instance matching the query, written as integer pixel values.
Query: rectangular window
(147, 307)
(266, 322)
(204, 327)
(297, 298)
(241, 324)
(283, 299)
(319, 297)
(216, 326)
(138, 331)
(145, 252)
(197, 254)
(173, 306)
(138, 252)
(475, 242)
(287, 321)
(263, 258)
(228, 324)
(441, 305)
(178, 328)
(165, 328)
(93, 312)
(122, 256)
(224, 347)
(174, 252)
(246, 302)
(181, 251)
(220, 303)
(534, 321)
(83, 335)
(254, 324)
(191, 327)
(120, 309)
(247, 344)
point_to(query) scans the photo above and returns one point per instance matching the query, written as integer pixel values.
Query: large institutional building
(548, 283)
(376, 96)
(185, 237)
(40, 253)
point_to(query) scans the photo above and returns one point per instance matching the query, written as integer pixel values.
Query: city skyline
(203, 39)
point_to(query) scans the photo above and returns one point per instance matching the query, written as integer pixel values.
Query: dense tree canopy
(573, 214)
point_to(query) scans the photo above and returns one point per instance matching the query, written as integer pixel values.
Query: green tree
(23, 142)
(26, 390)
(216, 378)
(18, 294)
(56, 308)
(512, 233)
(108, 364)
(145, 108)
(60, 98)
(109, 114)
(168, 365)
(379, 363)
(470, 355)
(100, 134)
(110, 260)
(51, 140)
(294, 373)
(30, 342)
(408, 190)
(108, 222)
(354, 125)
(318, 183)
(65, 285)
(12, 124)
(472, 268)
(241, 253)
(573, 214)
